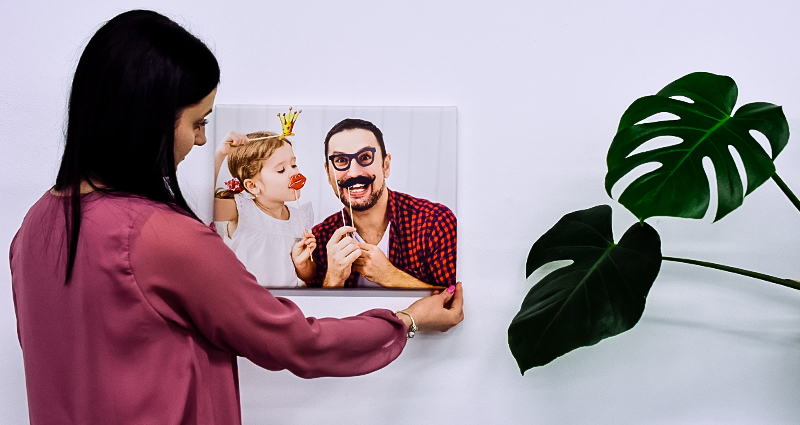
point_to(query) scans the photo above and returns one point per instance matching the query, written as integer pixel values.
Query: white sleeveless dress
(264, 243)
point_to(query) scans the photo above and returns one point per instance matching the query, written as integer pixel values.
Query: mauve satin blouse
(149, 328)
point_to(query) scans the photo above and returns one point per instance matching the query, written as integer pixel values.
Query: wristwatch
(412, 330)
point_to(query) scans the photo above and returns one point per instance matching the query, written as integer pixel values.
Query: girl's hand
(301, 251)
(230, 141)
(439, 312)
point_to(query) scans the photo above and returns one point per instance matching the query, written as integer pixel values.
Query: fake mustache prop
(366, 181)
(347, 184)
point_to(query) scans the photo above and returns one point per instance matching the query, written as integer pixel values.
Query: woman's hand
(230, 141)
(439, 312)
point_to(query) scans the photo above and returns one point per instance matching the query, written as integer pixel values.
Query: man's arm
(441, 261)
(373, 265)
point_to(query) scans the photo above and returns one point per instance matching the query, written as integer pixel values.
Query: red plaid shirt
(422, 241)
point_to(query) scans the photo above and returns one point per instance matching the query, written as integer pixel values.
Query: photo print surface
(388, 173)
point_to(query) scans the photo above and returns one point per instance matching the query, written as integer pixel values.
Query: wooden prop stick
(338, 193)
(350, 202)
(263, 138)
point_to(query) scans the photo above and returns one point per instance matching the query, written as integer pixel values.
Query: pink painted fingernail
(451, 289)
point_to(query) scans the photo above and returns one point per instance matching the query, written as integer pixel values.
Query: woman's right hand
(438, 312)
(230, 141)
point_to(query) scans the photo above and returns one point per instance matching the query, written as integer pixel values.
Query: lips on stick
(297, 182)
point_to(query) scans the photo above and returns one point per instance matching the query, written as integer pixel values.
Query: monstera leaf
(679, 187)
(601, 294)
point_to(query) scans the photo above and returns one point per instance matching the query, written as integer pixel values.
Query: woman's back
(157, 309)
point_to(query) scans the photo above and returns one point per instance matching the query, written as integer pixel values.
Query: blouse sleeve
(191, 278)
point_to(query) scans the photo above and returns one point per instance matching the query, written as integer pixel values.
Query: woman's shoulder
(98, 208)
(105, 212)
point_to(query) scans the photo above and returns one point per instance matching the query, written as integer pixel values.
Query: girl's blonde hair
(247, 160)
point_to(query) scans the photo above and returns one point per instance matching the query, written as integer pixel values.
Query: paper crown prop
(287, 122)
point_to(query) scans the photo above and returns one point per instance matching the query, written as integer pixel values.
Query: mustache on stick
(356, 180)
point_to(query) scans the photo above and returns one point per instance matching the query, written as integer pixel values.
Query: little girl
(273, 240)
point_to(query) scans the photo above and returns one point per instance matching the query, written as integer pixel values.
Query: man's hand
(342, 252)
(373, 264)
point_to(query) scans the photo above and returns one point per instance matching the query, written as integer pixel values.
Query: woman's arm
(192, 279)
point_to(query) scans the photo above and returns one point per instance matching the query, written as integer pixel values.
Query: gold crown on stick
(287, 121)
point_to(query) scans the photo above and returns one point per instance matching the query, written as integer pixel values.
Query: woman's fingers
(458, 298)
(440, 311)
(457, 303)
(447, 294)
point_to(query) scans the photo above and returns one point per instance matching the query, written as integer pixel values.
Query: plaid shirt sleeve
(423, 239)
(442, 254)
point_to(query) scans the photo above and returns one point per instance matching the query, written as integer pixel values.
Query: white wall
(539, 90)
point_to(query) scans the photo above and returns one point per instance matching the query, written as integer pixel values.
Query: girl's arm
(308, 274)
(225, 209)
(301, 256)
(224, 149)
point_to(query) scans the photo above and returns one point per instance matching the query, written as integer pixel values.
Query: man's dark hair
(134, 79)
(353, 124)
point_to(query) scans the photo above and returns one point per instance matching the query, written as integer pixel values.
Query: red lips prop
(297, 181)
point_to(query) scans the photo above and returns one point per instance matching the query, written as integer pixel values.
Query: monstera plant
(602, 292)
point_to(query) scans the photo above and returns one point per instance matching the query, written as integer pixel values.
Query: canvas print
(338, 197)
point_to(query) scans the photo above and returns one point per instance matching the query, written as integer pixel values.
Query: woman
(129, 309)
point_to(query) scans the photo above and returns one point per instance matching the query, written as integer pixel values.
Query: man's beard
(364, 204)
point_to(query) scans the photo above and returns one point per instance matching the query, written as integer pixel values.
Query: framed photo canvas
(388, 171)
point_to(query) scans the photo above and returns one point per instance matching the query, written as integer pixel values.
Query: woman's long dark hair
(134, 78)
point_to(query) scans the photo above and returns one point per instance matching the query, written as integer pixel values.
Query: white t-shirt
(264, 243)
(383, 245)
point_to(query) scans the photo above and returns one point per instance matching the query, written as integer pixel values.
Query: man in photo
(392, 239)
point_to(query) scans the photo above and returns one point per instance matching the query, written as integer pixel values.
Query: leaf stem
(780, 281)
(788, 192)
